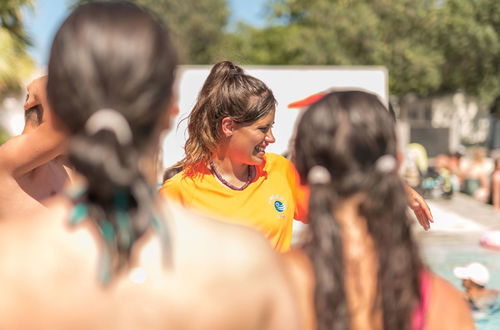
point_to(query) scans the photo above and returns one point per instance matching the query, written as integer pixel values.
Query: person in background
(495, 185)
(475, 276)
(475, 178)
(32, 165)
(359, 267)
(455, 170)
(227, 171)
(113, 254)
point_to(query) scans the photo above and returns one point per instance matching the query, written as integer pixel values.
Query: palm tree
(15, 63)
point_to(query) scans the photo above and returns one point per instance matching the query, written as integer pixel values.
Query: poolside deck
(453, 239)
(461, 218)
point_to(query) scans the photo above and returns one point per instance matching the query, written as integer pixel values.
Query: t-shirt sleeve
(300, 193)
(172, 189)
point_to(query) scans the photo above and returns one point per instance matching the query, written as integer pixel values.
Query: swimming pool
(456, 243)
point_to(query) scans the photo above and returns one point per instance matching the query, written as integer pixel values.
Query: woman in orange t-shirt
(226, 171)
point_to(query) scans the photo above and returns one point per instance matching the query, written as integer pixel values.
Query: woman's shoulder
(210, 238)
(445, 300)
(276, 158)
(47, 236)
(180, 184)
(229, 258)
(43, 259)
(275, 161)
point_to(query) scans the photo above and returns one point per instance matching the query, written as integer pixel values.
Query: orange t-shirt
(269, 203)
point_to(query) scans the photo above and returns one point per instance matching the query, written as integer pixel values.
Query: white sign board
(289, 84)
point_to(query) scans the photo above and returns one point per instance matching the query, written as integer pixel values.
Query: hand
(419, 207)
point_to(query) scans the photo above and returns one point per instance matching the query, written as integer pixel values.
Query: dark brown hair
(112, 55)
(227, 92)
(346, 133)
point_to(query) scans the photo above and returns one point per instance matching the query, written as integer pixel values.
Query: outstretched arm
(420, 208)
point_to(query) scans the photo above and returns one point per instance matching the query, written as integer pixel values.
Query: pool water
(443, 252)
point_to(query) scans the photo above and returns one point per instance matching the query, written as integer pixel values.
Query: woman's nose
(270, 137)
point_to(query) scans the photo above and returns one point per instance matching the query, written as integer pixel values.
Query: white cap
(475, 272)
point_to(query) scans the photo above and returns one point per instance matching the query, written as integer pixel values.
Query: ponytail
(325, 250)
(389, 224)
(88, 71)
(117, 197)
(352, 136)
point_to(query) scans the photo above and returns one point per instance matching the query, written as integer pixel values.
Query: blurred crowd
(467, 171)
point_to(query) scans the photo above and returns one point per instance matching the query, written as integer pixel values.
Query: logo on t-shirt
(279, 206)
(278, 203)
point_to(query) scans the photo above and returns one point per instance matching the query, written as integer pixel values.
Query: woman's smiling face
(248, 142)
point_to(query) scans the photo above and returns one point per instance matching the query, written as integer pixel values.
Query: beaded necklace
(251, 172)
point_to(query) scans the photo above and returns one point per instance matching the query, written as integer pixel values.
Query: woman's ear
(228, 126)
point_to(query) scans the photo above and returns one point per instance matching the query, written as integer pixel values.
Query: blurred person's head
(111, 71)
(473, 275)
(346, 150)
(441, 162)
(478, 154)
(229, 105)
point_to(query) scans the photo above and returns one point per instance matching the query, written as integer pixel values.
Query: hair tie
(385, 164)
(112, 120)
(318, 175)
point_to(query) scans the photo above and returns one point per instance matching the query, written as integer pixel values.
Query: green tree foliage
(470, 42)
(371, 32)
(197, 26)
(11, 18)
(15, 63)
(428, 46)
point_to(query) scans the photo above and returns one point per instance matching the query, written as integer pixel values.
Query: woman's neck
(233, 171)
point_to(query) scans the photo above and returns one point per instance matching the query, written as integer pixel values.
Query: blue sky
(43, 21)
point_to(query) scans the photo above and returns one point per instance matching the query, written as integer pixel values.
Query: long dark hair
(227, 92)
(346, 133)
(117, 56)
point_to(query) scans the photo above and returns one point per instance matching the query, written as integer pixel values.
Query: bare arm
(420, 208)
(25, 152)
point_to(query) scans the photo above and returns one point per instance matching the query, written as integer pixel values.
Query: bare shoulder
(40, 239)
(240, 268)
(447, 307)
(220, 241)
(44, 265)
